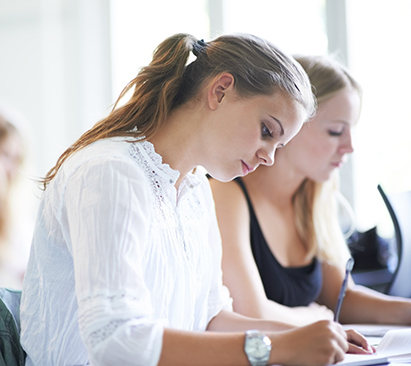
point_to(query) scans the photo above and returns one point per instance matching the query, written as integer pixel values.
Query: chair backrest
(11, 298)
(399, 207)
(11, 352)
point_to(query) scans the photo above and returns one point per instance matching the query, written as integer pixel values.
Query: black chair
(399, 208)
(395, 282)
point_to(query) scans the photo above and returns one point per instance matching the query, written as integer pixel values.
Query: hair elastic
(198, 47)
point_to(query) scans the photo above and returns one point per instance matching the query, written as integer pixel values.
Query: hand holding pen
(357, 342)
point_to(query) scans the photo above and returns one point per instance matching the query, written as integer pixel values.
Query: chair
(377, 277)
(399, 207)
(394, 282)
(11, 352)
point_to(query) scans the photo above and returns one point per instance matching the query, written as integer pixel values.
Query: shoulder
(104, 164)
(231, 204)
(227, 192)
(99, 150)
(108, 155)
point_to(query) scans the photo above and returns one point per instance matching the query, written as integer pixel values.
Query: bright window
(379, 55)
(296, 26)
(139, 26)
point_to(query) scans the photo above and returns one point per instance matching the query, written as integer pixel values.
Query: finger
(353, 348)
(359, 340)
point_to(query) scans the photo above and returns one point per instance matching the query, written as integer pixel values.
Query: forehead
(289, 112)
(345, 102)
(342, 107)
(280, 103)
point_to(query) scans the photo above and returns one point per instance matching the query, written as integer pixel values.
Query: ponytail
(155, 88)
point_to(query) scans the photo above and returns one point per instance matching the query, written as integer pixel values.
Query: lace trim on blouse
(92, 313)
(148, 154)
(103, 333)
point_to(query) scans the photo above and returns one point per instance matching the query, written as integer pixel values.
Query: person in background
(284, 253)
(14, 241)
(125, 265)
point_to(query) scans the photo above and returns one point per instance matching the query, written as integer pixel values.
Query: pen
(348, 269)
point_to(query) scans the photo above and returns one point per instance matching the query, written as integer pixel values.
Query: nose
(266, 157)
(346, 146)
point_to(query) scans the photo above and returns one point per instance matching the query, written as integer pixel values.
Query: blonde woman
(284, 254)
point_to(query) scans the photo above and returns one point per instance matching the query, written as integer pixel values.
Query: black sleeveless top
(289, 286)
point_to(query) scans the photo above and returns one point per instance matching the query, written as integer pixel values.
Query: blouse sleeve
(108, 210)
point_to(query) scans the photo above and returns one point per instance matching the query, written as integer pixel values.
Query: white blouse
(117, 255)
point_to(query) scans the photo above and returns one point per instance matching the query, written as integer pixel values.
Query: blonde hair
(316, 204)
(258, 68)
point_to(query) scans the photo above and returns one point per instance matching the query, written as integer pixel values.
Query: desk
(373, 330)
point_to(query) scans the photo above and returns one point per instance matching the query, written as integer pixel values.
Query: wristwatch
(257, 347)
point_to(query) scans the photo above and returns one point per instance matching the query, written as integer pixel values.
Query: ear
(221, 85)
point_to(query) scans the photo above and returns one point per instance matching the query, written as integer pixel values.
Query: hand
(320, 312)
(357, 343)
(320, 343)
(304, 315)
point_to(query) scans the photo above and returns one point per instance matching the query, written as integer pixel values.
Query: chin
(223, 177)
(320, 178)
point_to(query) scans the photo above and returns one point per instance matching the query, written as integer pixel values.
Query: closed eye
(335, 133)
(265, 132)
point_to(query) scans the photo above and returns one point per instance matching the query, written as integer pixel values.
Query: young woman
(284, 252)
(125, 261)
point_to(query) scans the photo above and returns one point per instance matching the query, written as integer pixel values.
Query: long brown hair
(316, 204)
(258, 67)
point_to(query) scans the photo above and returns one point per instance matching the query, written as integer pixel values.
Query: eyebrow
(279, 122)
(346, 123)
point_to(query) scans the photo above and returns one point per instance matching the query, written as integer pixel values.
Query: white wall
(55, 69)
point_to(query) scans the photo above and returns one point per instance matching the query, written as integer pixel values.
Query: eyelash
(265, 132)
(334, 133)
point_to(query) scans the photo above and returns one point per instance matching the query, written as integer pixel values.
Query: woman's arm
(361, 304)
(240, 272)
(321, 343)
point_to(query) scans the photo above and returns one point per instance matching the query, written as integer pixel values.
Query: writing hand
(320, 343)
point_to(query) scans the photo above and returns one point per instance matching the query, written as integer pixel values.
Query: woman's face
(249, 131)
(323, 143)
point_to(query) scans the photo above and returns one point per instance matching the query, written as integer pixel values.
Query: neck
(177, 141)
(277, 183)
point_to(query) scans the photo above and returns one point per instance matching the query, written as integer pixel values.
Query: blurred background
(64, 62)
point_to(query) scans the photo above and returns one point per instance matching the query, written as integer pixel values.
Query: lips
(247, 168)
(337, 164)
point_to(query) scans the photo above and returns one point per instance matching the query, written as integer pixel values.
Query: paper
(394, 346)
(363, 360)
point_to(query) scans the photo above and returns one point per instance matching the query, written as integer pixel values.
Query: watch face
(257, 347)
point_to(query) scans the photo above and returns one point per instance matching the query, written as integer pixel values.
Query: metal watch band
(254, 359)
